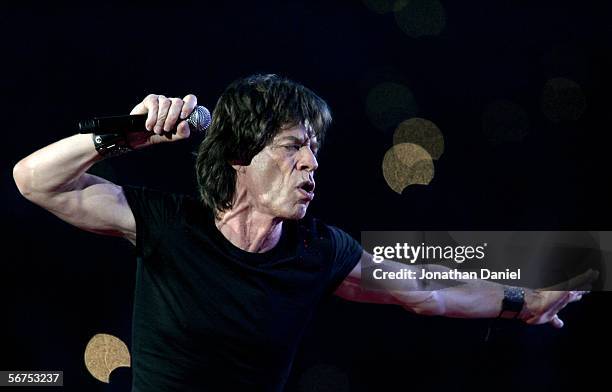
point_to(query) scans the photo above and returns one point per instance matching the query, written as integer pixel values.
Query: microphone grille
(199, 120)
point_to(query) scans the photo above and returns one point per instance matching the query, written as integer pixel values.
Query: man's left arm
(468, 299)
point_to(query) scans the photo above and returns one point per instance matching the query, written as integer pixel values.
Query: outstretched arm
(471, 299)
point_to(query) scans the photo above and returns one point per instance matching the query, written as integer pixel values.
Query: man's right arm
(55, 177)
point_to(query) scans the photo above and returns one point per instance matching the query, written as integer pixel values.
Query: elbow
(22, 175)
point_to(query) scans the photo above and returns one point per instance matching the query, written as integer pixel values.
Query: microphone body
(198, 121)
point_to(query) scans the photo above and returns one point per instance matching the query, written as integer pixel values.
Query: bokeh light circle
(407, 164)
(105, 353)
(422, 132)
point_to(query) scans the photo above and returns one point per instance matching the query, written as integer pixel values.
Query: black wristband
(110, 145)
(514, 299)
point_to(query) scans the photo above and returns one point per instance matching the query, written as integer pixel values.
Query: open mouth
(307, 188)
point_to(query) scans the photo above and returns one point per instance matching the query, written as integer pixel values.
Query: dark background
(518, 155)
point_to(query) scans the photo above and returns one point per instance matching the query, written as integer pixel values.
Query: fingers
(564, 299)
(577, 295)
(556, 322)
(151, 104)
(180, 109)
(552, 303)
(546, 307)
(190, 102)
(173, 114)
(183, 131)
(571, 296)
(164, 113)
(557, 301)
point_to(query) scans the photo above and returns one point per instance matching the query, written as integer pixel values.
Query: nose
(308, 160)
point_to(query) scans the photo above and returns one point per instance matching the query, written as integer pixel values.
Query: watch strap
(110, 145)
(513, 302)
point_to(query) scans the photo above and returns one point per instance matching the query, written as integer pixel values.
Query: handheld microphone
(198, 121)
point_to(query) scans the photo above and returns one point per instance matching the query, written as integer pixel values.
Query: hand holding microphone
(156, 119)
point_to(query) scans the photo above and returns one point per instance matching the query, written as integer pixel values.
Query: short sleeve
(346, 254)
(153, 212)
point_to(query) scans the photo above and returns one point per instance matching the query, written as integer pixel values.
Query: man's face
(280, 179)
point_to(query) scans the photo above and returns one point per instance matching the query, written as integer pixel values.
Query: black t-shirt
(210, 316)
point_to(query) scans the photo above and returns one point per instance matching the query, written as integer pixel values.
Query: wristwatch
(514, 299)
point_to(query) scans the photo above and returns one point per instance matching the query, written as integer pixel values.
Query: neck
(248, 229)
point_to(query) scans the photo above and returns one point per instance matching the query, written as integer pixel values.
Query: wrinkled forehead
(300, 131)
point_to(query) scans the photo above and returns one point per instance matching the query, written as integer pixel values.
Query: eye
(293, 147)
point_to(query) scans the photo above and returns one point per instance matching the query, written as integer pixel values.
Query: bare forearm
(57, 167)
(473, 298)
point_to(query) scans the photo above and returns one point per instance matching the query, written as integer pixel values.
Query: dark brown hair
(249, 113)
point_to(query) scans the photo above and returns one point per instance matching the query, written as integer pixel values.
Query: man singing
(226, 282)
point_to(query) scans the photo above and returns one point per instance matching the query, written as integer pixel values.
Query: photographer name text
(451, 274)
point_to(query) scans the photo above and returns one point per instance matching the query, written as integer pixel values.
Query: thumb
(183, 131)
(556, 322)
(139, 140)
